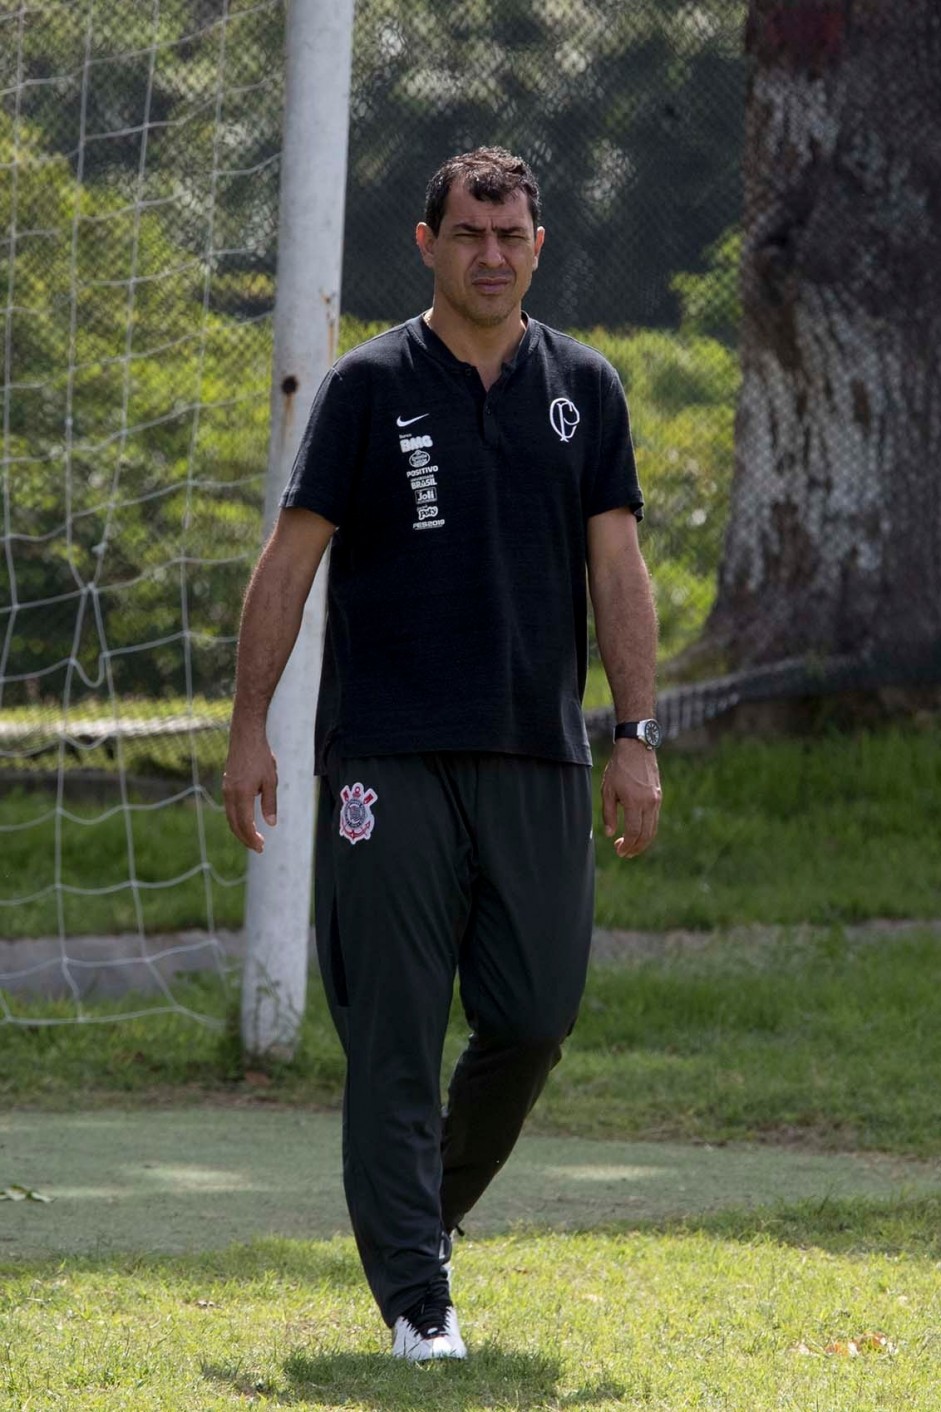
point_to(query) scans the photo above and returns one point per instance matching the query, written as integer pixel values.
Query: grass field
(742, 1313)
(814, 1039)
(829, 830)
(802, 1038)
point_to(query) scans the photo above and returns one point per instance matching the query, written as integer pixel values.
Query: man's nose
(490, 252)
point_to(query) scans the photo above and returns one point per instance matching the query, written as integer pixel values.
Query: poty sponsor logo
(565, 417)
(414, 443)
(419, 458)
(427, 512)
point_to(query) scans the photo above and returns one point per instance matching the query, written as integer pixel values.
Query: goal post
(318, 55)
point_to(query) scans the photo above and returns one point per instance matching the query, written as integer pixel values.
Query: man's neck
(486, 348)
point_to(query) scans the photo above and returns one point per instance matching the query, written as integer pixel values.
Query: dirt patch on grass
(612, 944)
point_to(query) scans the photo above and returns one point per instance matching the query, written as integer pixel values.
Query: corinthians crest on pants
(356, 816)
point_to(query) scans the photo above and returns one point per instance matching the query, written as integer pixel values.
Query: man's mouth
(492, 285)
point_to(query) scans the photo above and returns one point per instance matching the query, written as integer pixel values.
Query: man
(467, 465)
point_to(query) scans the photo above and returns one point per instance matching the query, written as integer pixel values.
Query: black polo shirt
(457, 596)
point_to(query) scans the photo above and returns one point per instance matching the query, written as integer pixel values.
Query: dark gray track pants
(479, 864)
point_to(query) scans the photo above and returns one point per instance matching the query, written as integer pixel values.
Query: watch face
(652, 734)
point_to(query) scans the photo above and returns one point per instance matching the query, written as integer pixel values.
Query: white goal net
(139, 149)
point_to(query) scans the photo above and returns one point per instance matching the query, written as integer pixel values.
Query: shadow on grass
(333, 1263)
(842, 1226)
(376, 1380)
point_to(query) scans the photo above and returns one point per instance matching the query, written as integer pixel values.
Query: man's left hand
(631, 783)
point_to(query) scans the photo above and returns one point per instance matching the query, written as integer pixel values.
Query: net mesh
(140, 205)
(139, 165)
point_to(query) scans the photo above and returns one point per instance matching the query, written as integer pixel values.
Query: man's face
(483, 256)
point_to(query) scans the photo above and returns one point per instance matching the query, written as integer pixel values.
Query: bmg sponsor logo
(415, 443)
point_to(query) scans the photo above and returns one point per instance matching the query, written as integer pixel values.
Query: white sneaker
(429, 1329)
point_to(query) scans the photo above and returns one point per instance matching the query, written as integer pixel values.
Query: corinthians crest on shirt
(356, 816)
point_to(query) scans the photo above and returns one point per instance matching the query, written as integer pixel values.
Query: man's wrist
(646, 730)
(249, 717)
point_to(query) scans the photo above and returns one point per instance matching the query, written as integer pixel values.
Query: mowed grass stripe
(827, 830)
(670, 1319)
(815, 1038)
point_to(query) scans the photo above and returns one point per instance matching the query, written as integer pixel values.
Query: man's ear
(425, 240)
(537, 244)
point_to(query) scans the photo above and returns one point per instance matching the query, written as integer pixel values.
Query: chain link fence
(139, 164)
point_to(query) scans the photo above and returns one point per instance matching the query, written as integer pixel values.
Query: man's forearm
(626, 630)
(271, 619)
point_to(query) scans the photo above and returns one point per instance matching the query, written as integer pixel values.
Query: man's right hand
(250, 770)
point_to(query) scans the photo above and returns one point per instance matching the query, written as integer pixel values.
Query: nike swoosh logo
(400, 423)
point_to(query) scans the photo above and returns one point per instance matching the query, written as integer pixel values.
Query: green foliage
(711, 301)
(138, 432)
(681, 389)
(136, 440)
(630, 113)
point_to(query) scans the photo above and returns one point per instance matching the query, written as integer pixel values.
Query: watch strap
(647, 731)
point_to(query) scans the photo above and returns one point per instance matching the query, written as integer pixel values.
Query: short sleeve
(322, 476)
(615, 482)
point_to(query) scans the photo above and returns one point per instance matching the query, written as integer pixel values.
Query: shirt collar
(440, 351)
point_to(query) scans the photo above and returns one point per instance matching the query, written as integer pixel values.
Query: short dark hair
(489, 174)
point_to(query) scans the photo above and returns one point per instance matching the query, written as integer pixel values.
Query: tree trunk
(834, 542)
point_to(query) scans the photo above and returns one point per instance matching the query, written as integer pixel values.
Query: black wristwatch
(648, 731)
